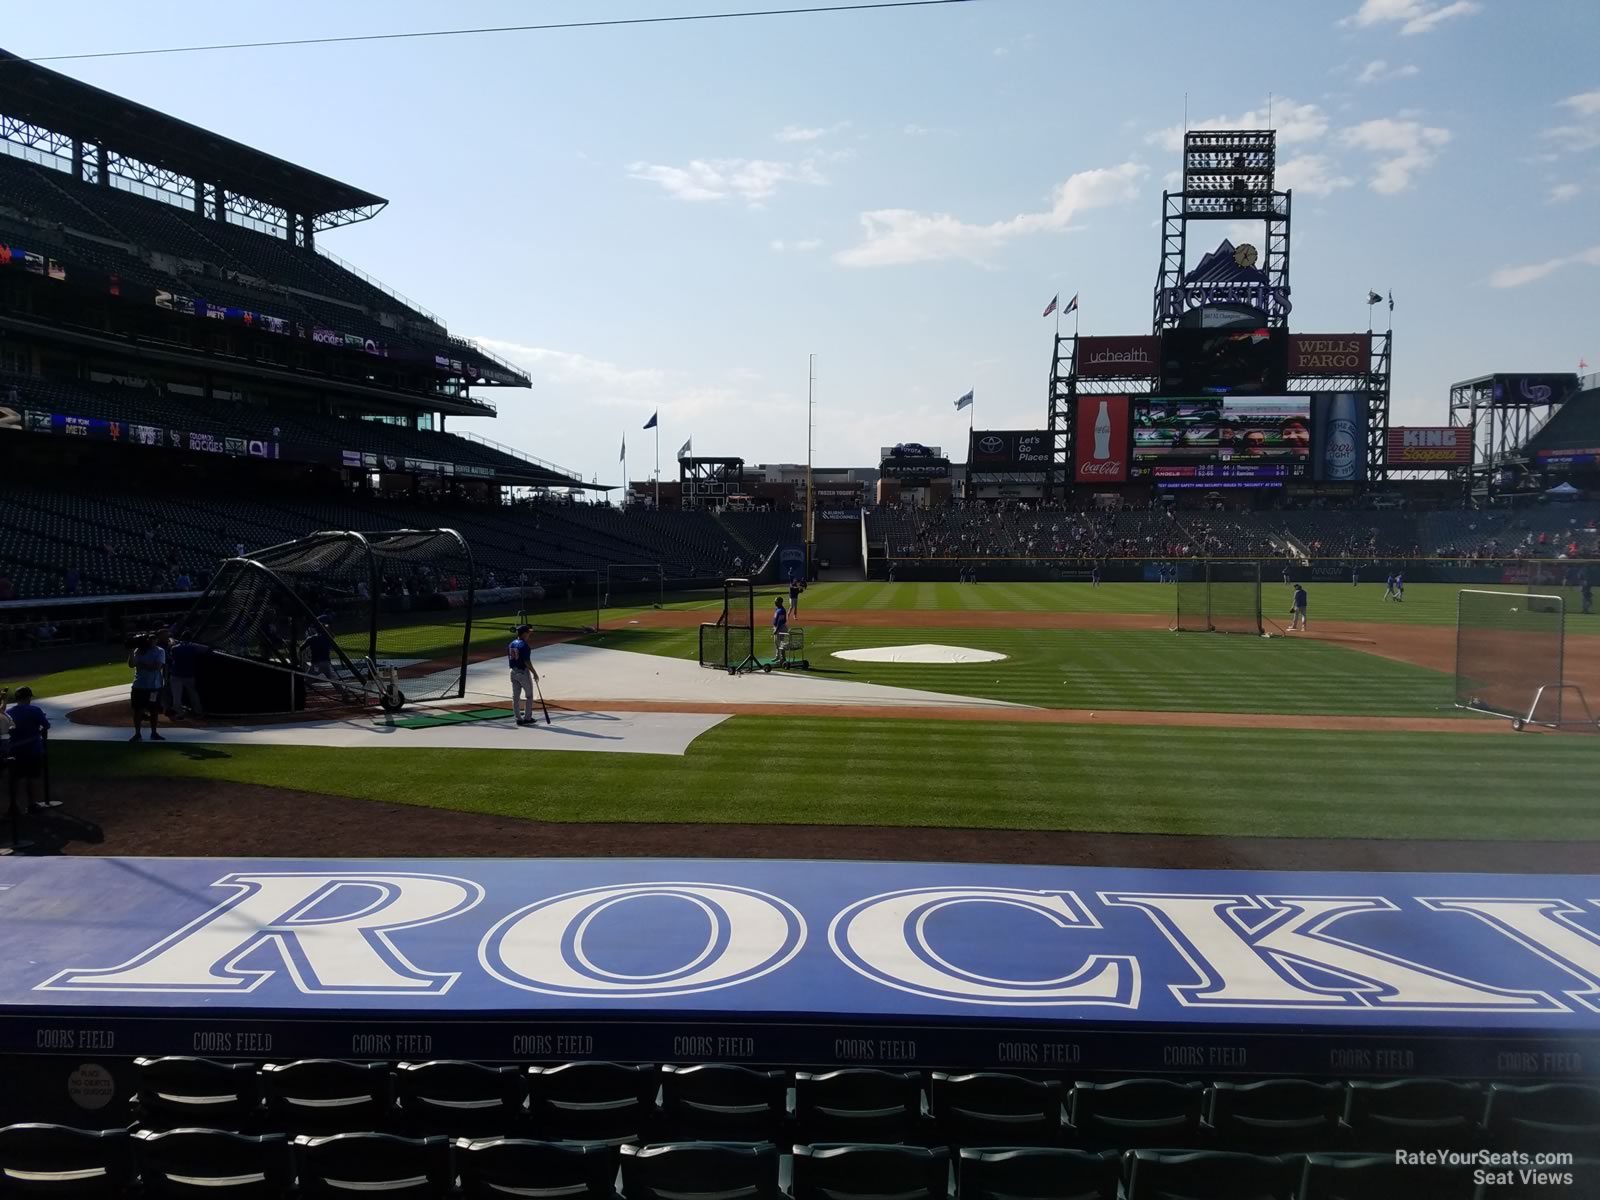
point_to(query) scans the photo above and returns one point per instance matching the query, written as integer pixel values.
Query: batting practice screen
(1508, 646)
(1221, 598)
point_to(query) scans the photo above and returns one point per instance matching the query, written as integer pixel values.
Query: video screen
(1222, 436)
(1227, 361)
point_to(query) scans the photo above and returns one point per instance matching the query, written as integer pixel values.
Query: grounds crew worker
(519, 658)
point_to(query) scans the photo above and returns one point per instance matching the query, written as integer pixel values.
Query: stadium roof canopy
(55, 102)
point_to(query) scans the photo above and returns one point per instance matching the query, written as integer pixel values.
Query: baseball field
(1100, 735)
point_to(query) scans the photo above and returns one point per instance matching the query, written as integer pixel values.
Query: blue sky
(673, 217)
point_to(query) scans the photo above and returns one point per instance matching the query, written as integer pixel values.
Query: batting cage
(1220, 597)
(560, 599)
(339, 618)
(729, 642)
(1510, 657)
(635, 585)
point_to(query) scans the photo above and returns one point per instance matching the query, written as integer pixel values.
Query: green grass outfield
(814, 770)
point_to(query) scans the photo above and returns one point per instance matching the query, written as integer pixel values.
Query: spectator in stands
(183, 582)
(29, 730)
(149, 664)
(183, 668)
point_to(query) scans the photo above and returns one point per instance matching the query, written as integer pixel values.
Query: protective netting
(1508, 646)
(635, 585)
(561, 600)
(342, 616)
(1220, 598)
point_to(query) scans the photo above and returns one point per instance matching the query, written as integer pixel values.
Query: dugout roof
(46, 98)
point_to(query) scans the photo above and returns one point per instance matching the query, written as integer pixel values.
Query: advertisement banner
(1010, 450)
(1429, 446)
(1330, 353)
(94, 429)
(210, 443)
(1534, 389)
(1102, 440)
(146, 435)
(1111, 357)
(1339, 437)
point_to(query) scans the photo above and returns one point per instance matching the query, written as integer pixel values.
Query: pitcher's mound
(919, 654)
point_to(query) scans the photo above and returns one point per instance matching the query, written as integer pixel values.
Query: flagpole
(626, 487)
(658, 464)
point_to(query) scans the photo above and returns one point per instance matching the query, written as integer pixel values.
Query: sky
(673, 218)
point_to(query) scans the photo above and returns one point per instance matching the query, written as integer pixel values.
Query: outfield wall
(1137, 570)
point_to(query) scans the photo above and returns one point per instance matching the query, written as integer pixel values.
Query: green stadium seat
(989, 1108)
(592, 1101)
(380, 1164)
(458, 1099)
(1380, 1177)
(700, 1171)
(1037, 1173)
(1277, 1115)
(867, 1172)
(499, 1168)
(722, 1102)
(859, 1104)
(322, 1096)
(1135, 1113)
(1547, 1116)
(1210, 1175)
(1413, 1114)
(56, 1160)
(186, 1164)
(176, 1092)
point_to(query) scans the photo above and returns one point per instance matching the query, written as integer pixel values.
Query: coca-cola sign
(1101, 438)
(1330, 353)
(1114, 357)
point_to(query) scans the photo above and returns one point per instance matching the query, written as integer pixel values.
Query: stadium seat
(497, 1168)
(592, 1101)
(1276, 1115)
(863, 1172)
(722, 1102)
(458, 1099)
(320, 1096)
(395, 1168)
(191, 1163)
(1379, 1177)
(1134, 1113)
(1210, 1175)
(700, 1171)
(992, 1109)
(858, 1105)
(1413, 1114)
(1584, 1185)
(177, 1092)
(1547, 1116)
(1037, 1173)
(57, 1160)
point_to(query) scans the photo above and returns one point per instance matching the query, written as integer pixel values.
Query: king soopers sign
(693, 941)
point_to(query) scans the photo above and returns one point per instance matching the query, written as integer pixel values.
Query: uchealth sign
(1330, 353)
(1429, 446)
(802, 962)
(1102, 439)
(1113, 357)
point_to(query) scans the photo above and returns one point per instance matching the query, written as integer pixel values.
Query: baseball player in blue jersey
(780, 629)
(519, 659)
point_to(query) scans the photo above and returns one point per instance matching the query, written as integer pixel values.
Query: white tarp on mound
(925, 653)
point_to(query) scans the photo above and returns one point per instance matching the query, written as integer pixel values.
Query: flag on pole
(651, 423)
(1051, 307)
(1583, 364)
(1072, 305)
(623, 457)
(1374, 298)
(964, 402)
(687, 448)
(1391, 300)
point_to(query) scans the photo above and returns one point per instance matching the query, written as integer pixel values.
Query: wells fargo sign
(1330, 353)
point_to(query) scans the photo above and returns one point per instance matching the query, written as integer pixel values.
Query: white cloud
(1312, 174)
(894, 236)
(1294, 122)
(1403, 149)
(1585, 133)
(576, 378)
(1511, 277)
(1378, 70)
(1413, 16)
(1562, 192)
(1000, 52)
(803, 246)
(802, 133)
(752, 179)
